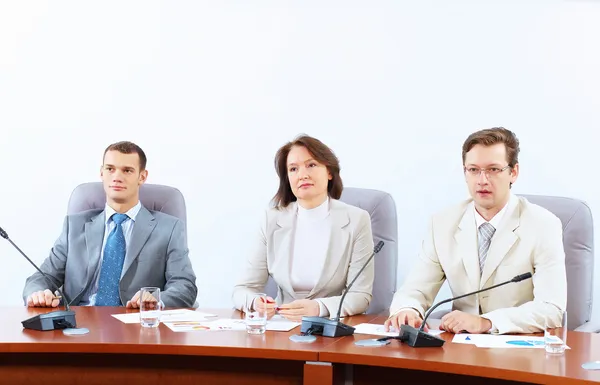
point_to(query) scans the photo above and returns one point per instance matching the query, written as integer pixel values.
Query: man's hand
(294, 311)
(42, 299)
(458, 321)
(134, 302)
(150, 302)
(408, 317)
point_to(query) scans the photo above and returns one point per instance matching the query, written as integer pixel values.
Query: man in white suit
(486, 240)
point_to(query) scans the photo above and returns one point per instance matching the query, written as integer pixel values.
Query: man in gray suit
(104, 257)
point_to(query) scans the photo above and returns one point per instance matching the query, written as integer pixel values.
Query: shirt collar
(132, 213)
(496, 220)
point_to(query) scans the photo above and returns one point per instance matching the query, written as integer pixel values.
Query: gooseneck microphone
(418, 338)
(376, 250)
(59, 319)
(333, 327)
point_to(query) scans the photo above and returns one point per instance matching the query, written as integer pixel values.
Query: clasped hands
(45, 298)
(293, 311)
(453, 322)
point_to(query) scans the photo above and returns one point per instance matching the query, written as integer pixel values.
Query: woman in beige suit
(311, 243)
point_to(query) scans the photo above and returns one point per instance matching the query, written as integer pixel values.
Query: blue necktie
(112, 264)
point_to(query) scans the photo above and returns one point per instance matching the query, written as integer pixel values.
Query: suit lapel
(142, 228)
(338, 245)
(502, 241)
(283, 238)
(94, 236)
(466, 242)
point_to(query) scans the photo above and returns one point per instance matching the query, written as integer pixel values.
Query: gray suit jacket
(350, 246)
(157, 256)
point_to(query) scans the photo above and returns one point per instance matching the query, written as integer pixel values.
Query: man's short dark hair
(125, 147)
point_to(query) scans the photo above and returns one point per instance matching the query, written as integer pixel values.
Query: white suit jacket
(350, 246)
(529, 239)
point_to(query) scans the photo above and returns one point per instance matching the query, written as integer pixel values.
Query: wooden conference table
(118, 353)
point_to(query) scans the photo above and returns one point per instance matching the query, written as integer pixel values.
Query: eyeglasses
(489, 172)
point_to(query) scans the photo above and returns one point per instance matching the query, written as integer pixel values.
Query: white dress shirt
(89, 298)
(495, 222)
(496, 219)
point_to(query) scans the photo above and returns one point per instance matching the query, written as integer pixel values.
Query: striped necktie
(486, 232)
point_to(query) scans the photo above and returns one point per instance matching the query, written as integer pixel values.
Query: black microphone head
(378, 247)
(521, 277)
(3, 233)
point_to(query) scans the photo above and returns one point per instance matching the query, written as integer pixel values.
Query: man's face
(122, 177)
(488, 176)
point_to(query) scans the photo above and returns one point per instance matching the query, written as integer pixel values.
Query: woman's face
(308, 178)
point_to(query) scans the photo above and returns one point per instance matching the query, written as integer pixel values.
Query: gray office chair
(169, 200)
(155, 197)
(382, 208)
(578, 242)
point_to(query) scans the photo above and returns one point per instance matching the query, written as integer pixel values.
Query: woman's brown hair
(321, 153)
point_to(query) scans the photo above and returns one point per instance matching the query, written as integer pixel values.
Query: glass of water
(555, 336)
(255, 313)
(150, 307)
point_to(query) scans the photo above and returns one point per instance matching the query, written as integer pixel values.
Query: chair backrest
(578, 241)
(384, 223)
(155, 197)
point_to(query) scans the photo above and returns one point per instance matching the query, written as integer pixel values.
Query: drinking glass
(150, 307)
(255, 315)
(555, 338)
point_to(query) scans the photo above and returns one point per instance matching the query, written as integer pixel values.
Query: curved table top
(109, 335)
(522, 364)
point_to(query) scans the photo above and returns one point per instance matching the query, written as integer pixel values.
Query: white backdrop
(210, 90)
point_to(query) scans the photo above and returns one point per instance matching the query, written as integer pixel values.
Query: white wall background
(210, 90)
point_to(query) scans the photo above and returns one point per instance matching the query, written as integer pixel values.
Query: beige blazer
(350, 245)
(528, 239)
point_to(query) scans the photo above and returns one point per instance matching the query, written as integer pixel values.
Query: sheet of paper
(464, 338)
(222, 324)
(280, 325)
(175, 315)
(500, 341)
(379, 330)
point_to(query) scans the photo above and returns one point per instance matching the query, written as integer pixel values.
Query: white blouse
(311, 242)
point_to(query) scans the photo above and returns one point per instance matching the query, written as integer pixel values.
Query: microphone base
(55, 320)
(418, 339)
(325, 327)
